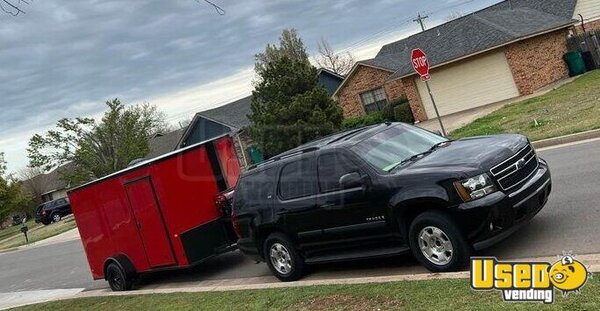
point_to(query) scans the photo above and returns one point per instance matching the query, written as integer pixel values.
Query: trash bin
(588, 60)
(575, 63)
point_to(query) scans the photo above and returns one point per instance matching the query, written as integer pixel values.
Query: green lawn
(572, 108)
(12, 230)
(412, 295)
(36, 233)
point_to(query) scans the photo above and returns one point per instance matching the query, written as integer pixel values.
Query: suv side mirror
(351, 180)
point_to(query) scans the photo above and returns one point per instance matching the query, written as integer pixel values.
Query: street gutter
(567, 139)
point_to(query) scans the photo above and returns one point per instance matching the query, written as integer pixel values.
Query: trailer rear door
(150, 223)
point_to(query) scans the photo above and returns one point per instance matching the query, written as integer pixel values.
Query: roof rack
(283, 156)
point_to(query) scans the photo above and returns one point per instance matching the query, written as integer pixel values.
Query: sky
(65, 58)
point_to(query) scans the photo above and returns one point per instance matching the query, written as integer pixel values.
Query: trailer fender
(124, 263)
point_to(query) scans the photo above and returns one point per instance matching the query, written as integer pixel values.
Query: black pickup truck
(386, 190)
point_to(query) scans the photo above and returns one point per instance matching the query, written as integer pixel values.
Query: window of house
(331, 168)
(373, 100)
(298, 179)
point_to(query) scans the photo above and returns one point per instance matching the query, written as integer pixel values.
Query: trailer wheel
(117, 278)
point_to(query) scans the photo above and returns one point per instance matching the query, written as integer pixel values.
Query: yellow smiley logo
(568, 274)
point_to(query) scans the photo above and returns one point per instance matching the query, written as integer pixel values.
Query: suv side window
(298, 179)
(332, 166)
(60, 202)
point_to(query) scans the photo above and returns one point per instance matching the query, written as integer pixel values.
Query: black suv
(386, 190)
(52, 211)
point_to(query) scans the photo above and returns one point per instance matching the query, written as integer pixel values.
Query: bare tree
(13, 7)
(340, 63)
(454, 15)
(33, 181)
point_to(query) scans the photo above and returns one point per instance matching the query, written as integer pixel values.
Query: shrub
(403, 113)
(370, 119)
(397, 111)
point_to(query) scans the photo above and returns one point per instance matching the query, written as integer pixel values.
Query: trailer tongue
(158, 214)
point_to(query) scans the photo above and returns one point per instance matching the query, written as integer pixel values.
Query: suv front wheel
(437, 242)
(282, 258)
(56, 217)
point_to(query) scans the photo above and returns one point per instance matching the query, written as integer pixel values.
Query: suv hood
(471, 155)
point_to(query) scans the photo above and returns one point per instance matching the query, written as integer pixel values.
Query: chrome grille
(516, 169)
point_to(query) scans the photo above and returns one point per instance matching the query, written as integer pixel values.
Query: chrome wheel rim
(435, 245)
(280, 258)
(56, 218)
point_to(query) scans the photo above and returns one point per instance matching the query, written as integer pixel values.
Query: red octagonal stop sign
(420, 63)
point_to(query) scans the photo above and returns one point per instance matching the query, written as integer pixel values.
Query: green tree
(13, 198)
(97, 148)
(289, 107)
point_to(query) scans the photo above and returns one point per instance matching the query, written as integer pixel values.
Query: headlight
(475, 187)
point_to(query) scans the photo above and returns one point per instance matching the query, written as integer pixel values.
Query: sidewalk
(592, 262)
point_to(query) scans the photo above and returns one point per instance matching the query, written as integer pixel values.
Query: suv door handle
(330, 206)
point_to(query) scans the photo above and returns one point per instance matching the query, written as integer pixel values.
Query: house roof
(331, 73)
(234, 114)
(52, 181)
(165, 143)
(491, 27)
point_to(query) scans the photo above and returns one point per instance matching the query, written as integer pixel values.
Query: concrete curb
(550, 142)
(592, 262)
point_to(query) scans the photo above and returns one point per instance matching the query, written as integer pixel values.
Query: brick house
(507, 50)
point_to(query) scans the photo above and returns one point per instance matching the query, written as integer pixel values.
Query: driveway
(568, 223)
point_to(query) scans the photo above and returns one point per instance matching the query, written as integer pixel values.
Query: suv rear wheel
(437, 242)
(282, 258)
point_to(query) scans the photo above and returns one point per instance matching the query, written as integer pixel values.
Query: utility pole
(420, 20)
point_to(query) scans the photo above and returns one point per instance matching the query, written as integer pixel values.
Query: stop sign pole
(421, 65)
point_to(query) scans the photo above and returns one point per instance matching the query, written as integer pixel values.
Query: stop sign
(420, 63)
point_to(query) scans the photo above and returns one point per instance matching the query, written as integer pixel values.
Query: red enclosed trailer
(158, 214)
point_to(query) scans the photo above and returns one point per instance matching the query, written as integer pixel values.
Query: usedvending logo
(529, 281)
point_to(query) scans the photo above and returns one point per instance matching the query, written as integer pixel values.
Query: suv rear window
(254, 188)
(298, 179)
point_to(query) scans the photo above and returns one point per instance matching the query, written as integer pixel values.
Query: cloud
(65, 58)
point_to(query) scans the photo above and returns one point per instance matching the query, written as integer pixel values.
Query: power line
(219, 10)
(394, 27)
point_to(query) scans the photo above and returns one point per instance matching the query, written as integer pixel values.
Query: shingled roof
(165, 143)
(489, 28)
(234, 114)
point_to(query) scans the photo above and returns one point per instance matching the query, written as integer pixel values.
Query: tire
(46, 222)
(443, 247)
(283, 258)
(117, 278)
(55, 217)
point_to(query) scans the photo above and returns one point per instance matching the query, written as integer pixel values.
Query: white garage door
(471, 83)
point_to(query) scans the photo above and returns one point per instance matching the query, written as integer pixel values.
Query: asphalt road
(569, 222)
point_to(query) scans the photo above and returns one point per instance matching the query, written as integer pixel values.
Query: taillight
(223, 203)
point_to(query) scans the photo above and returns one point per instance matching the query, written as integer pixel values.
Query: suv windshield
(389, 149)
